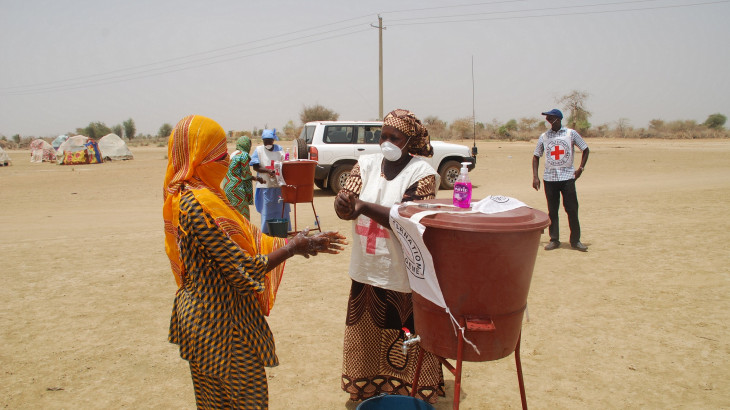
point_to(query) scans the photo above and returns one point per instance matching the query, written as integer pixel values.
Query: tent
(79, 150)
(41, 150)
(114, 148)
(4, 158)
(59, 140)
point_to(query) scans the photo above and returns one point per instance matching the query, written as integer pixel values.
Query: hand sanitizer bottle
(286, 156)
(462, 188)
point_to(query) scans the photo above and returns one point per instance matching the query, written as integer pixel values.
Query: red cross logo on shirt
(373, 231)
(557, 152)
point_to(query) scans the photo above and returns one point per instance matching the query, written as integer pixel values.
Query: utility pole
(380, 65)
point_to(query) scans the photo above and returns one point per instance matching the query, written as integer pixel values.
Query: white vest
(559, 150)
(377, 257)
(265, 158)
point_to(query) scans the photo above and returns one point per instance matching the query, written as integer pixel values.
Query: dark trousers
(553, 189)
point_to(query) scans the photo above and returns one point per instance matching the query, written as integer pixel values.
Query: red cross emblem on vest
(373, 231)
(557, 152)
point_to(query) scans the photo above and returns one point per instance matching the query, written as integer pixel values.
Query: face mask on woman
(269, 147)
(391, 152)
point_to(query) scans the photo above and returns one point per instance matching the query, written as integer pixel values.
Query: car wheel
(319, 183)
(339, 177)
(449, 172)
(302, 150)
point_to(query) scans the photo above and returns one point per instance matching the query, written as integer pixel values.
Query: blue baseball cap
(269, 134)
(554, 112)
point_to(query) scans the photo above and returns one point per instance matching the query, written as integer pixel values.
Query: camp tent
(4, 158)
(41, 150)
(59, 140)
(78, 150)
(114, 148)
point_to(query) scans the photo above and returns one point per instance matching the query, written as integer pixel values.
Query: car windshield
(308, 133)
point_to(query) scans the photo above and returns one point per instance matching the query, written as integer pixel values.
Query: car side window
(368, 135)
(337, 134)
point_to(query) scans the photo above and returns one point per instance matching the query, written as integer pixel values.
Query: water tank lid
(517, 220)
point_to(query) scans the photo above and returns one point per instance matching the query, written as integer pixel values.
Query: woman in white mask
(380, 304)
(268, 193)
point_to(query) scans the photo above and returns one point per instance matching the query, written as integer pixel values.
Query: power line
(554, 15)
(167, 62)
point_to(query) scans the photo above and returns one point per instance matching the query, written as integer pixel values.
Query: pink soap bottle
(462, 188)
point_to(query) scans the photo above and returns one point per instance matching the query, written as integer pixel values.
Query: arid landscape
(639, 321)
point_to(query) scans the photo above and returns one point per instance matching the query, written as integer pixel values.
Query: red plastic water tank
(484, 265)
(299, 178)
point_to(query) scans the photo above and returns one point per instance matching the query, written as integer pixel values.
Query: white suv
(336, 145)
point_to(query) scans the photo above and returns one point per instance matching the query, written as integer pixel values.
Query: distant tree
(290, 130)
(129, 129)
(656, 124)
(528, 124)
(462, 128)
(574, 103)
(117, 129)
(16, 138)
(165, 130)
(436, 127)
(622, 127)
(317, 113)
(94, 130)
(715, 121)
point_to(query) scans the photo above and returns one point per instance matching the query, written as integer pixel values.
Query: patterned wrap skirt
(373, 361)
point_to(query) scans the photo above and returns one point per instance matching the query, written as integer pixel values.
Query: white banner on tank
(419, 263)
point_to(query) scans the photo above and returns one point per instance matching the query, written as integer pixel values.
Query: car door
(339, 140)
(368, 137)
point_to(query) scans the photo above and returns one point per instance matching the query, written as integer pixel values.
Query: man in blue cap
(557, 143)
(267, 197)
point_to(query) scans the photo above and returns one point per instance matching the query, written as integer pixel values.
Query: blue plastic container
(394, 402)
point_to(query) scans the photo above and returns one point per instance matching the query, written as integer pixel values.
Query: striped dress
(216, 320)
(239, 184)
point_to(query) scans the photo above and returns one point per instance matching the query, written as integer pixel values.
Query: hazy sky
(66, 63)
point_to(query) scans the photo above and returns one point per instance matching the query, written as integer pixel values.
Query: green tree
(129, 129)
(317, 113)
(117, 129)
(715, 121)
(94, 130)
(165, 130)
(574, 103)
(16, 138)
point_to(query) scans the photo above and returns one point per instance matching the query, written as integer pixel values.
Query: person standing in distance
(558, 145)
(267, 198)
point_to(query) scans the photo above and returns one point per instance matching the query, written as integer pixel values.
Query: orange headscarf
(193, 151)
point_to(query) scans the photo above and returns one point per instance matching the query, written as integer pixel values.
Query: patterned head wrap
(407, 123)
(243, 144)
(194, 150)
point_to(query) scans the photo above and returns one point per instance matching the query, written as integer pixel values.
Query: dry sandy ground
(640, 321)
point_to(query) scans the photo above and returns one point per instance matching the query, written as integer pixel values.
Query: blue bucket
(394, 402)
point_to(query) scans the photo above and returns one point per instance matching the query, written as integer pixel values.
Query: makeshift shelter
(59, 140)
(4, 158)
(114, 148)
(41, 151)
(79, 150)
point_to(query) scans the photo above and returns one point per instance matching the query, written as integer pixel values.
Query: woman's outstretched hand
(325, 242)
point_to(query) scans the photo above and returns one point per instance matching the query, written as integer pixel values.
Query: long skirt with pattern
(245, 388)
(374, 362)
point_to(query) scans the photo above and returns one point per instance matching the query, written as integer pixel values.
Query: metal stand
(456, 371)
(318, 226)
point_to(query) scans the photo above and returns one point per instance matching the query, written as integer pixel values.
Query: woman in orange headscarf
(227, 272)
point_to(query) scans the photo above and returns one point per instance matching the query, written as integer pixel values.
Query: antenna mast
(474, 149)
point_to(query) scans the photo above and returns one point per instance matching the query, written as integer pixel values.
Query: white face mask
(390, 151)
(269, 147)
